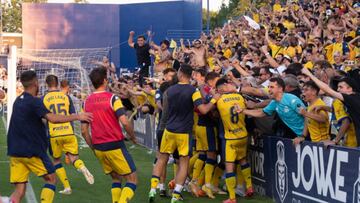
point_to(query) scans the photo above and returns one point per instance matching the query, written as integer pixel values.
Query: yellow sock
(127, 193)
(198, 166)
(239, 175)
(115, 192)
(175, 167)
(246, 171)
(216, 177)
(61, 173)
(79, 164)
(201, 179)
(47, 193)
(154, 182)
(209, 170)
(231, 184)
(192, 163)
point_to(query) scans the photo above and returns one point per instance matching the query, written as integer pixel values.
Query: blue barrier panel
(70, 26)
(260, 160)
(312, 173)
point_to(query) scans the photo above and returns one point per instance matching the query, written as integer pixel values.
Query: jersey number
(234, 116)
(58, 109)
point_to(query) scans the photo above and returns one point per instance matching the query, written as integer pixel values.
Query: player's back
(180, 108)
(26, 136)
(59, 103)
(105, 127)
(233, 122)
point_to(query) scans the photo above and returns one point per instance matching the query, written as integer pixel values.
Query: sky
(214, 4)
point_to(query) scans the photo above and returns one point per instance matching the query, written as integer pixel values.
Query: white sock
(208, 185)
(153, 190)
(161, 186)
(178, 188)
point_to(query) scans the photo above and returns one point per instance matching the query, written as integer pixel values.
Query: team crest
(281, 172)
(356, 193)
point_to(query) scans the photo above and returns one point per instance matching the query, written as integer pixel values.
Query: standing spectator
(348, 92)
(316, 122)
(142, 55)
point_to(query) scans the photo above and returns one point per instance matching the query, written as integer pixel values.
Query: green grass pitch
(100, 191)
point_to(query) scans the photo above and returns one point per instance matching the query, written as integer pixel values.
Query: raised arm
(270, 59)
(130, 40)
(324, 87)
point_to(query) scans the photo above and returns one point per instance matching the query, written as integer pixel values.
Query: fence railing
(183, 34)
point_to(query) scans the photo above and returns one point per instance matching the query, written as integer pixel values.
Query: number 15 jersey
(234, 123)
(59, 103)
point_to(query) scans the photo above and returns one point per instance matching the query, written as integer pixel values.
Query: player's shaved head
(28, 78)
(52, 81)
(97, 77)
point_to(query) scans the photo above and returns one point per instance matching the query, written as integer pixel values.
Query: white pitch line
(29, 195)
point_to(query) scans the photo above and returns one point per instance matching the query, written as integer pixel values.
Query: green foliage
(11, 13)
(213, 22)
(11, 16)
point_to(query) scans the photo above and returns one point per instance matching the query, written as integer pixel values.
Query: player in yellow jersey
(236, 139)
(316, 122)
(62, 138)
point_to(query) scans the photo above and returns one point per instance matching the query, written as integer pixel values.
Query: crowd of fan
(279, 40)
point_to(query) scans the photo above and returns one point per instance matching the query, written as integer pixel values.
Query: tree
(213, 22)
(11, 14)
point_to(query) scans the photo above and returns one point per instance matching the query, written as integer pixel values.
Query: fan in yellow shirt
(316, 123)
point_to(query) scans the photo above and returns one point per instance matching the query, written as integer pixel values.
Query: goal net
(73, 65)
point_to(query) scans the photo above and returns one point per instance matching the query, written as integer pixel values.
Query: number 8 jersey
(234, 123)
(59, 103)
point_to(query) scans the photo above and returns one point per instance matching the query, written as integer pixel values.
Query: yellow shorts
(66, 144)
(206, 139)
(235, 150)
(117, 160)
(175, 141)
(20, 168)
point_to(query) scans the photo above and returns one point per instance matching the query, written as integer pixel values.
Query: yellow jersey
(277, 8)
(59, 103)
(309, 65)
(340, 114)
(227, 53)
(318, 131)
(275, 49)
(234, 123)
(292, 51)
(151, 98)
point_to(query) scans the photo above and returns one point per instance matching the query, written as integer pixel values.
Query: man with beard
(142, 55)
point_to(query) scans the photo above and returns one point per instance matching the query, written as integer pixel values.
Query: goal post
(73, 65)
(11, 92)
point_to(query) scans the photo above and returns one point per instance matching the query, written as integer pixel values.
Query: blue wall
(50, 26)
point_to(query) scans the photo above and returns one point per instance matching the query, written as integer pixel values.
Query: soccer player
(62, 137)
(205, 140)
(236, 140)
(28, 142)
(181, 99)
(107, 139)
